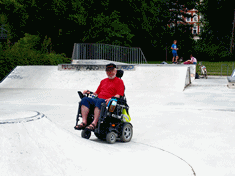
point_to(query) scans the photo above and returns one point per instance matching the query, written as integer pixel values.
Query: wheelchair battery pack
(112, 105)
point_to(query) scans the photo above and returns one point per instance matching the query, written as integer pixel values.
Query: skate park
(181, 126)
(180, 131)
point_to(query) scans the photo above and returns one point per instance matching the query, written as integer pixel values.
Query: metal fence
(228, 68)
(223, 69)
(108, 52)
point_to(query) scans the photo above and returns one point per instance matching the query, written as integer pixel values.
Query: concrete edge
(92, 67)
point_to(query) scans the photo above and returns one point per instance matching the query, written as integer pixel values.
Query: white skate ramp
(175, 132)
(157, 78)
(39, 147)
(154, 78)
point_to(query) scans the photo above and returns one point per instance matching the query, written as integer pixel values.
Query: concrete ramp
(157, 78)
(144, 78)
(48, 77)
(41, 148)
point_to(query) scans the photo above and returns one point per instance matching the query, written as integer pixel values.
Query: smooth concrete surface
(175, 132)
(42, 148)
(154, 78)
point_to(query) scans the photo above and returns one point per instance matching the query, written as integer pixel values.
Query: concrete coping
(96, 62)
(93, 67)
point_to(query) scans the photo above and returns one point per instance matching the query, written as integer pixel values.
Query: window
(180, 16)
(195, 17)
(188, 19)
(195, 30)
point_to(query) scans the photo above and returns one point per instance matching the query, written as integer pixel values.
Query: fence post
(222, 69)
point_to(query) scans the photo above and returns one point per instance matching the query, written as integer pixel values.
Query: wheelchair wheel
(111, 137)
(86, 134)
(127, 132)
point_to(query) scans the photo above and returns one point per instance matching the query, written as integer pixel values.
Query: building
(192, 18)
(195, 21)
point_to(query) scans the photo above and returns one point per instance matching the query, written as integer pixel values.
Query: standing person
(174, 52)
(192, 60)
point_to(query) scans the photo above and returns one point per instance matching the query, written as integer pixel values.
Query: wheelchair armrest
(81, 94)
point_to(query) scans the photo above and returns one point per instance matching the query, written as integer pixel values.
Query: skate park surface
(176, 130)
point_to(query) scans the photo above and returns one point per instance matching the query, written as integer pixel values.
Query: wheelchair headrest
(119, 73)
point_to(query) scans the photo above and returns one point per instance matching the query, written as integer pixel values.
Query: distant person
(174, 52)
(192, 60)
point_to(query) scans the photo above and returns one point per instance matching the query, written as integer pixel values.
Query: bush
(55, 59)
(27, 51)
(212, 52)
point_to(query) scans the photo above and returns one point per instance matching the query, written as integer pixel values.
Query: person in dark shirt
(108, 88)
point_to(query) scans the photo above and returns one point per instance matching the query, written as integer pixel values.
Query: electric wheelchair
(114, 120)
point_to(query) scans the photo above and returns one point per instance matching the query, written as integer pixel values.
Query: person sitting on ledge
(192, 60)
(108, 88)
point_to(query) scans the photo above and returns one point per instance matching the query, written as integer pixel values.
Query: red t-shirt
(110, 87)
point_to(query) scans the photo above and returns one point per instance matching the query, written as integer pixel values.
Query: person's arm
(117, 96)
(86, 92)
(107, 100)
(174, 48)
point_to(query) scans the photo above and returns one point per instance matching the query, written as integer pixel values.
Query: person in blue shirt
(174, 52)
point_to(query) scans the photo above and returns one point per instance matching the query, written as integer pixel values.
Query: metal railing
(222, 69)
(108, 52)
(219, 69)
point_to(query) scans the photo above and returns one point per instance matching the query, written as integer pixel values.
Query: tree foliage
(217, 23)
(137, 23)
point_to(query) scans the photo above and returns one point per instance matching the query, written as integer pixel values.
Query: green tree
(215, 40)
(12, 16)
(108, 29)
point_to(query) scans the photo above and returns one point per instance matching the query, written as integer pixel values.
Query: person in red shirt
(108, 88)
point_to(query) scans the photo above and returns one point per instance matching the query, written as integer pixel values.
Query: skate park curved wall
(145, 77)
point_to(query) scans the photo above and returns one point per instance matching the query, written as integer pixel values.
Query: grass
(213, 68)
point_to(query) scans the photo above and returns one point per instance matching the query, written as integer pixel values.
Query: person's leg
(97, 111)
(176, 58)
(187, 62)
(96, 115)
(173, 59)
(84, 110)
